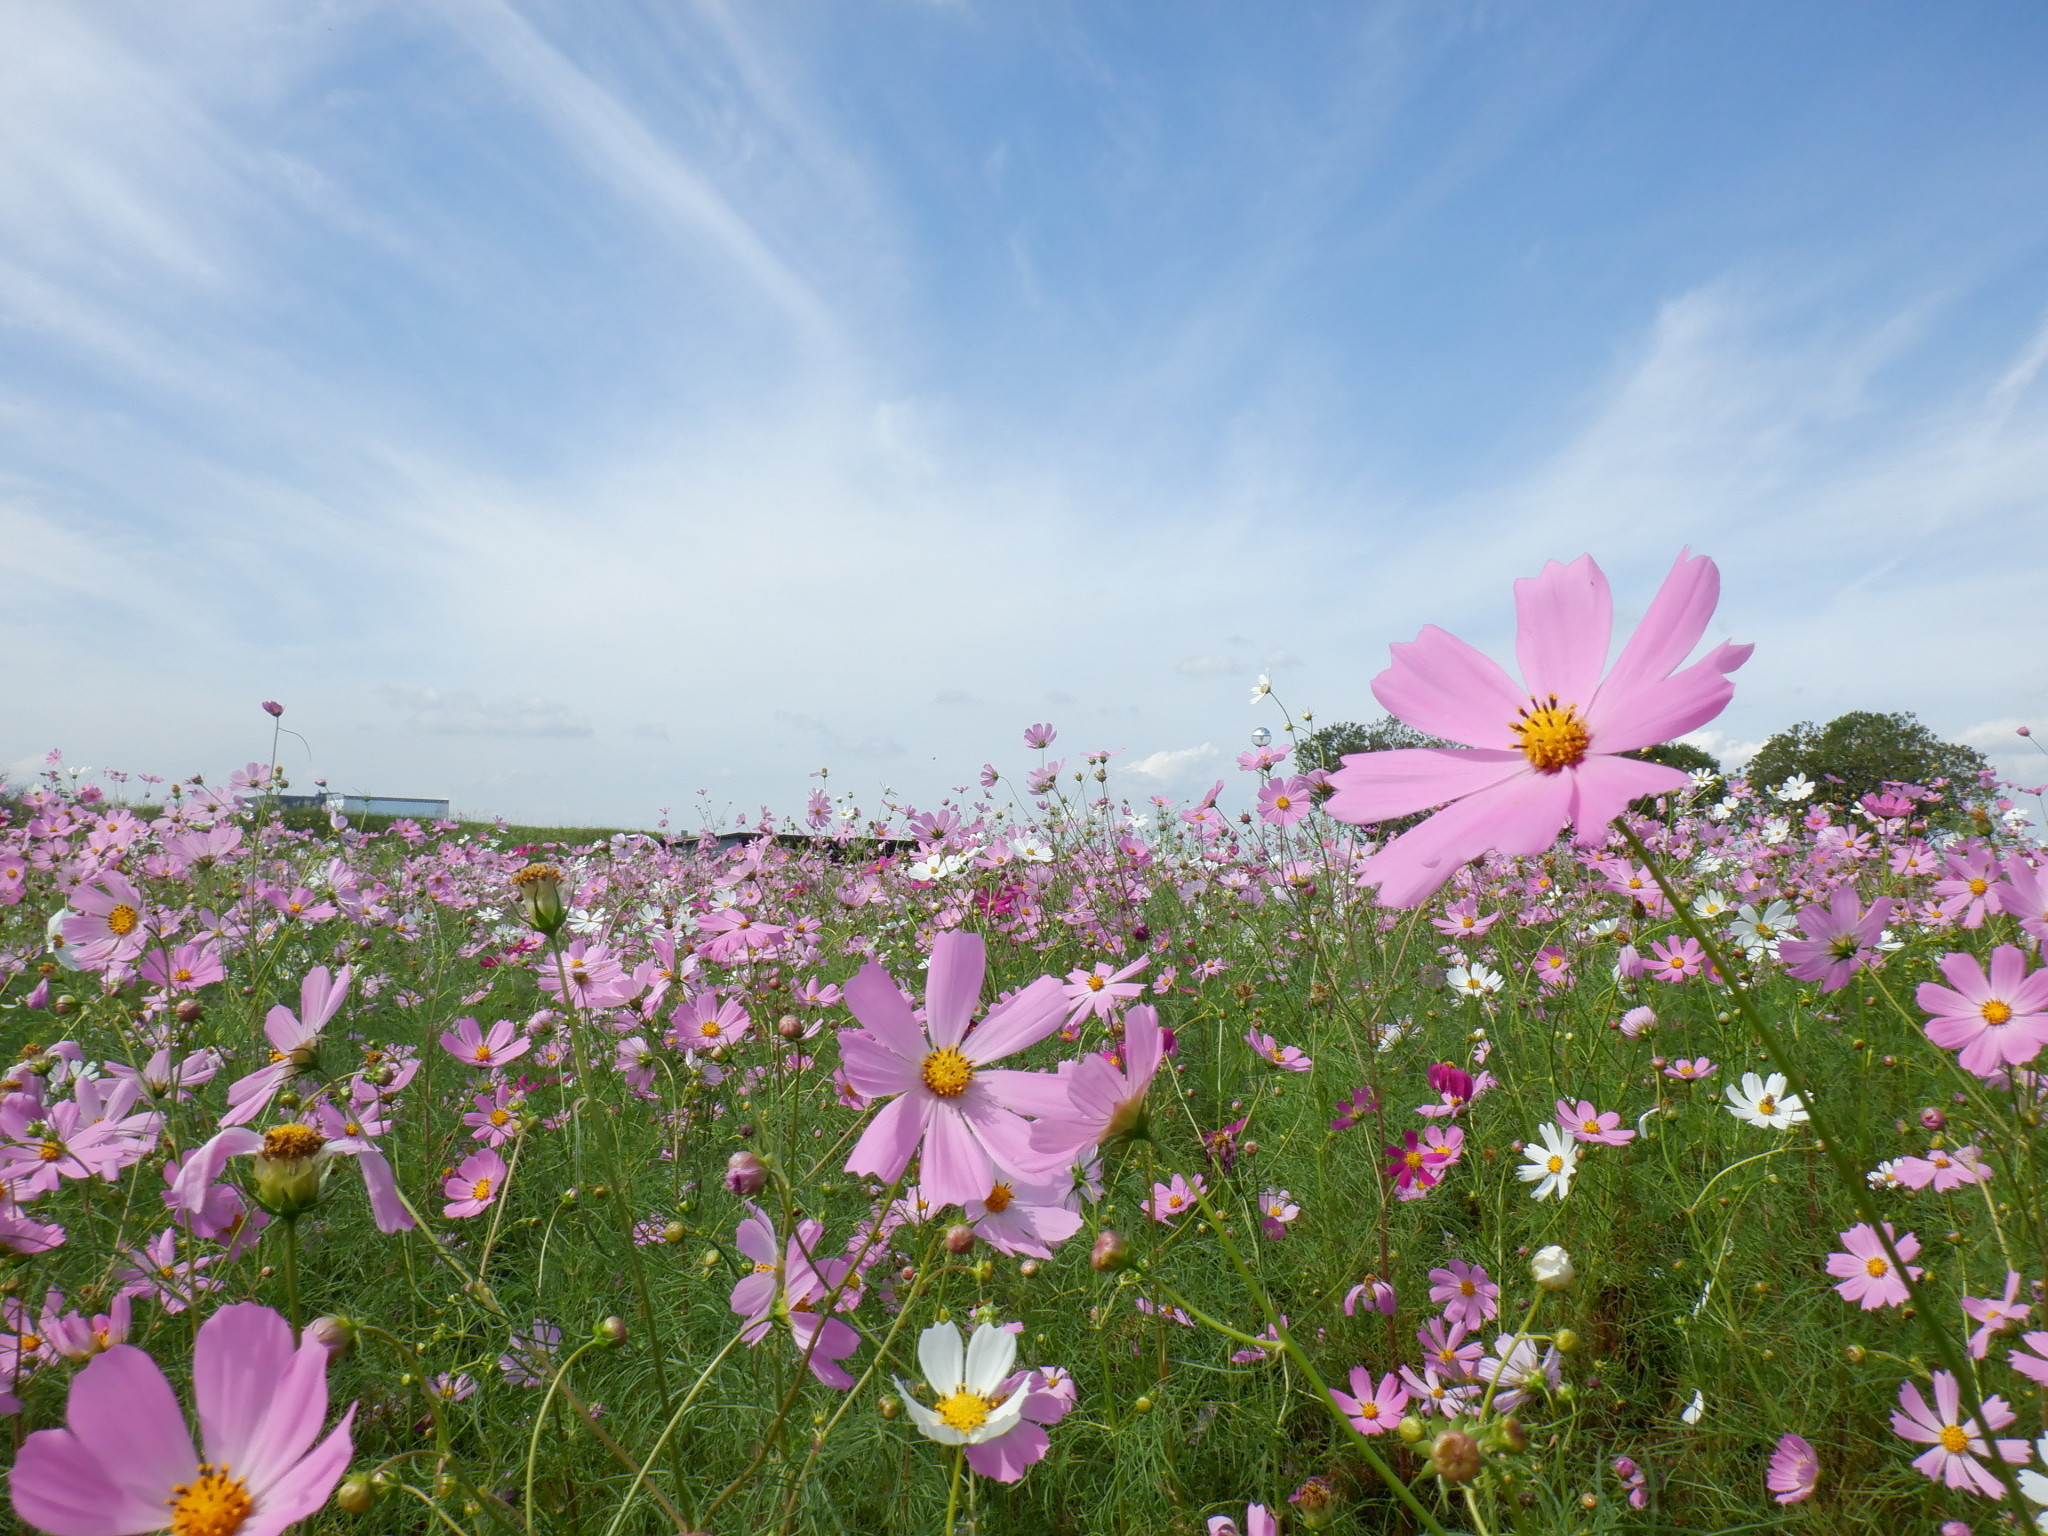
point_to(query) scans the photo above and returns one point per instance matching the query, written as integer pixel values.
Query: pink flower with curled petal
(1373, 1409)
(944, 1096)
(475, 1185)
(1956, 1445)
(126, 1464)
(2023, 894)
(1545, 753)
(1103, 1102)
(293, 1040)
(1841, 938)
(1994, 1314)
(1794, 1471)
(1991, 1021)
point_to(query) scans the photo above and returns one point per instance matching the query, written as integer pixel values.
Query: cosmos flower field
(1610, 1150)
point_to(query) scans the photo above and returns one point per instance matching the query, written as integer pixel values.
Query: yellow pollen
(965, 1411)
(1000, 1197)
(295, 907)
(1553, 736)
(1281, 802)
(481, 1190)
(292, 1141)
(51, 1151)
(947, 1073)
(181, 974)
(123, 920)
(1996, 1012)
(500, 1117)
(213, 1504)
(1555, 1165)
(483, 1053)
(1467, 1288)
(764, 1269)
(1095, 983)
(1368, 1410)
(1953, 1440)
(1767, 1105)
(533, 874)
(1590, 1127)
(708, 1028)
(1413, 1158)
(30, 1343)
(1979, 886)
(1875, 1267)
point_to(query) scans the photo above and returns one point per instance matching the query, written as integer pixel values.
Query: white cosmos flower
(1710, 903)
(1261, 688)
(1472, 981)
(1034, 849)
(1550, 1166)
(964, 1384)
(1764, 1103)
(1795, 789)
(1697, 1408)
(1759, 931)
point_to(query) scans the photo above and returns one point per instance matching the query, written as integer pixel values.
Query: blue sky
(566, 408)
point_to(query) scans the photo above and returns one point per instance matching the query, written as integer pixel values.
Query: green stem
(953, 1494)
(291, 1271)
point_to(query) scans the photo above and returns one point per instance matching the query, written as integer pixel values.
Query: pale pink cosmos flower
(1284, 801)
(1277, 1211)
(1994, 1314)
(1258, 1521)
(495, 1119)
(1461, 920)
(1966, 895)
(1543, 753)
(468, 1043)
(1636, 1023)
(2030, 1357)
(1430, 1393)
(1944, 1168)
(1018, 1216)
(1288, 1058)
(288, 1150)
(1956, 1445)
(125, 1463)
(1589, 1125)
(1174, 1199)
(104, 923)
(703, 1021)
(475, 1186)
(1676, 960)
(1098, 993)
(792, 1282)
(293, 1041)
(1103, 1102)
(184, 969)
(1690, 1071)
(1841, 938)
(1373, 1408)
(1993, 1021)
(944, 1096)
(1794, 1472)
(1868, 1276)
(2023, 894)
(162, 1078)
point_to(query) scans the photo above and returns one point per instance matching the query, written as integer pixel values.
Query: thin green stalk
(540, 1420)
(668, 1429)
(953, 1494)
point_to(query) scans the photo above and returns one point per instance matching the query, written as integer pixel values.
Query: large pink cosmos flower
(1103, 1103)
(126, 1463)
(1543, 753)
(1956, 1444)
(294, 1037)
(801, 1283)
(1997, 1020)
(944, 1096)
(1868, 1276)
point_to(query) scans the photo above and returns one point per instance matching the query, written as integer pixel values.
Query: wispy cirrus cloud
(457, 712)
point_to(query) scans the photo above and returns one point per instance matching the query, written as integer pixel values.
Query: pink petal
(1523, 815)
(882, 1008)
(1442, 686)
(1564, 619)
(1967, 977)
(955, 1169)
(1622, 720)
(1034, 1093)
(1671, 626)
(1006, 1458)
(1602, 788)
(59, 1486)
(199, 1171)
(1378, 786)
(305, 1487)
(952, 985)
(1144, 1043)
(874, 1067)
(125, 1417)
(385, 1204)
(245, 1354)
(887, 1145)
(1021, 1020)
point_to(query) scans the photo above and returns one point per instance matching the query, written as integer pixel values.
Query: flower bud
(539, 887)
(1565, 1340)
(1853, 1354)
(789, 1027)
(745, 1173)
(1454, 1456)
(272, 708)
(1409, 1429)
(1932, 1119)
(357, 1495)
(190, 1011)
(959, 1238)
(1142, 1405)
(1315, 1503)
(1110, 1253)
(889, 1406)
(1552, 1267)
(289, 1170)
(611, 1333)
(334, 1334)
(1512, 1436)
(1028, 1268)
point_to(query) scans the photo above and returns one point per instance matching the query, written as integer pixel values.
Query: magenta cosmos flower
(1794, 1471)
(1103, 1102)
(1542, 753)
(944, 1098)
(1997, 1020)
(126, 1464)
(1956, 1446)
(1841, 938)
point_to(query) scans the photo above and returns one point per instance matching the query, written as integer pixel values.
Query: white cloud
(1168, 769)
(460, 713)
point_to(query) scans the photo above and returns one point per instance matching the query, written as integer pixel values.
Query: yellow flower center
(965, 1411)
(51, 1151)
(1590, 1127)
(947, 1073)
(212, 1504)
(1413, 1158)
(292, 1141)
(1979, 886)
(500, 1117)
(481, 1190)
(708, 1028)
(1000, 1197)
(1467, 1288)
(1368, 1410)
(1555, 1165)
(483, 1053)
(1996, 1012)
(1281, 802)
(1875, 1267)
(123, 920)
(1767, 1105)
(1095, 983)
(1953, 1440)
(181, 974)
(1553, 736)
